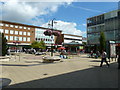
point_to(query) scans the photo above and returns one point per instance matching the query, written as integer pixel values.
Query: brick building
(24, 34)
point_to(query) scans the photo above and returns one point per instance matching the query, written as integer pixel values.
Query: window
(1, 24)
(1, 30)
(24, 27)
(6, 37)
(6, 25)
(16, 26)
(28, 33)
(24, 33)
(24, 38)
(11, 26)
(28, 28)
(16, 32)
(6, 31)
(20, 27)
(20, 32)
(11, 31)
(15, 38)
(20, 38)
(28, 39)
(11, 38)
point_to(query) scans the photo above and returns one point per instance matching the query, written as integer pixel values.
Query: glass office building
(108, 23)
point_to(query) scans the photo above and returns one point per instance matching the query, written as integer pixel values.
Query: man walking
(104, 55)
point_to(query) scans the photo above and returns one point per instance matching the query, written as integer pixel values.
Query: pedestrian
(104, 56)
(8, 51)
(119, 61)
(91, 54)
(97, 54)
(62, 54)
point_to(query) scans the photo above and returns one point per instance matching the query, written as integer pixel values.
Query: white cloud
(66, 27)
(84, 24)
(28, 12)
(68, 0)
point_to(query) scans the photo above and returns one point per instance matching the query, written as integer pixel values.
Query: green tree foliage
(40, 44)
(4, 45)
(84, 43)
(35, 44)
(102, 41)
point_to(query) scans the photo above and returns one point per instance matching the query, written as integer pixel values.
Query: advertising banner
(112, 50)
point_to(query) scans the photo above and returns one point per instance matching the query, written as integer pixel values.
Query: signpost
(16, 42)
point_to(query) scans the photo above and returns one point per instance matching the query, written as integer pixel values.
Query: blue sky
(70, 16)
(73, 12)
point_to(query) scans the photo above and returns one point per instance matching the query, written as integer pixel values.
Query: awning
(72, 43)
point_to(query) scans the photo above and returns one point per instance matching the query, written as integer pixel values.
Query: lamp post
(52, 22)
(51, 32)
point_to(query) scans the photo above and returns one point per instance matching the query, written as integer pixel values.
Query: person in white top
(104, 56)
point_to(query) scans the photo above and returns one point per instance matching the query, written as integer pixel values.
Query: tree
(84, 43)
(4, 45)
(42, 45)
(102, 41)
(35, 44)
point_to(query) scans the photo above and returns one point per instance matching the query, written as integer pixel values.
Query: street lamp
(51, 32)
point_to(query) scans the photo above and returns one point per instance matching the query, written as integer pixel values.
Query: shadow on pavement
(4, 82)
(95, 77)
(28, 65)
(95, 61)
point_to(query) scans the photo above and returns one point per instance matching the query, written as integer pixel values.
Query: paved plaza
(28, 71)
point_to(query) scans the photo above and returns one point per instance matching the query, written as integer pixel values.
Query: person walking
(104, 55)
(91, 54)
(119, 61)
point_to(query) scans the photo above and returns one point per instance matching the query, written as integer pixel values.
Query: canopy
(61, 48)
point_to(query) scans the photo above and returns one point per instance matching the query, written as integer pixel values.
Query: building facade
(39, 36)
(68, 38)
(84, 40)
(72, 43)
(107, 23)
(24, 34)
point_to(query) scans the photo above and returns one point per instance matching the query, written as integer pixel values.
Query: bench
(4, 58)
(48, 59)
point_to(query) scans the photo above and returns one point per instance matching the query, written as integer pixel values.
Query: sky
(70, 15)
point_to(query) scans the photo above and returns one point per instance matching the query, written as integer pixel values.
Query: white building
(72, 38)
(72, 43)
(39, 36)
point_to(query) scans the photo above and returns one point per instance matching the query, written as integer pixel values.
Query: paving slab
(76, 72)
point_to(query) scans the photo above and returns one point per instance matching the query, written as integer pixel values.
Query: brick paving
(76, 72)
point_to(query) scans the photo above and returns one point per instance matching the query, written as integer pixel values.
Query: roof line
(72, 35)
(26, 25)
